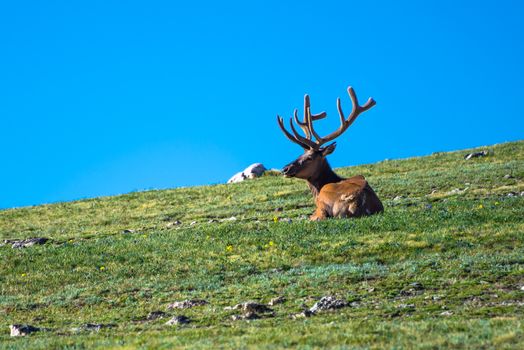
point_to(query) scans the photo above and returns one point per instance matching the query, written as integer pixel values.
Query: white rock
(251, 172)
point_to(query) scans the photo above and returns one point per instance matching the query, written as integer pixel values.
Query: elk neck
(325, 175)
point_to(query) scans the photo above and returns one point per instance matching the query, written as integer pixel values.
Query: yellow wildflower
(229, 248)
(102, 268)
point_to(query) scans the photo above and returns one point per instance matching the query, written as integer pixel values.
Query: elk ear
(328, 149)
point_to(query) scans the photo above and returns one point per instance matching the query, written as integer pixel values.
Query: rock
(96, 326)
(19, 330)
(328, 303)
(303, 314)
(508, 176)
(475, 155)
(155, 315)
(229, 219)
(406, 306)
(192, 223)
(173, 223)
(397, 198)
(288, 220)
(128, 231)
(247, 316)
(277, 300)
(238, 177)
(24, 243)
(212, 221)
(178, 320)
(446, 313)
(416, 286)
(251, 172)
(250, 306)
(511, 194)
(186, 304)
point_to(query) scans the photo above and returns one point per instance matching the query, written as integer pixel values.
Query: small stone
(212, 221)
(328, 303)
(511, 194)
(249, 306)
(96, 326)
(522, 288)
(508, 176)
(229, 219)
(277, 300)
(288, 220)
(416, 286)
(397, 198)
(475, 155)
(192, 223)
(173, 223)
(178, 320)
(247, 316)
(303, 314)
(24, 243)
(19, 330)
(128, 231)
(446, 313)
(186, 304)
(155, 315)
(371, 290)
(406, 306)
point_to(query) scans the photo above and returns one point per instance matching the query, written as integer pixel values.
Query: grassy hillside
(443, 266)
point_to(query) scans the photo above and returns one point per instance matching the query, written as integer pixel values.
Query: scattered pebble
(192, 223)
(303, 314)
(24, 243)
(178, 320)
(475, 155)
(212, 221)
(155, 315)
(229, 219)
(19, 330)
(127, 230)
(186, 304)
(446, 313)
(247, 316)
(328, 303)
(93, 327)
(173, 223)
(277, 300)
(509, 176)
(250, 306)
(397, 198)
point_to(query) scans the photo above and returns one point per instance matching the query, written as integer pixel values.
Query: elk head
(313, 164)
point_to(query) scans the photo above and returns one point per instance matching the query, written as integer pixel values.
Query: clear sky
(107, 97)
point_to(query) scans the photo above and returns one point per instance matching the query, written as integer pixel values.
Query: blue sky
(107, 97)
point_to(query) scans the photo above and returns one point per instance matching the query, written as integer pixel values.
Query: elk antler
(307, 124)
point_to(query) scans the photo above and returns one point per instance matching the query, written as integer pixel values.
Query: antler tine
(291, 137)
(345, 123)
(304, 125)
(300, 138)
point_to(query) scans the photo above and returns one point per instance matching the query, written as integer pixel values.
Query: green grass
(455, 231)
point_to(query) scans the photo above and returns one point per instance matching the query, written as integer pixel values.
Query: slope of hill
(443, 266)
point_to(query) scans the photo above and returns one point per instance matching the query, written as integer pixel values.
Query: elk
(334, 196)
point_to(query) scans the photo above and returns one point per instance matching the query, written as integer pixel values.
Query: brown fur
(334, 196)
